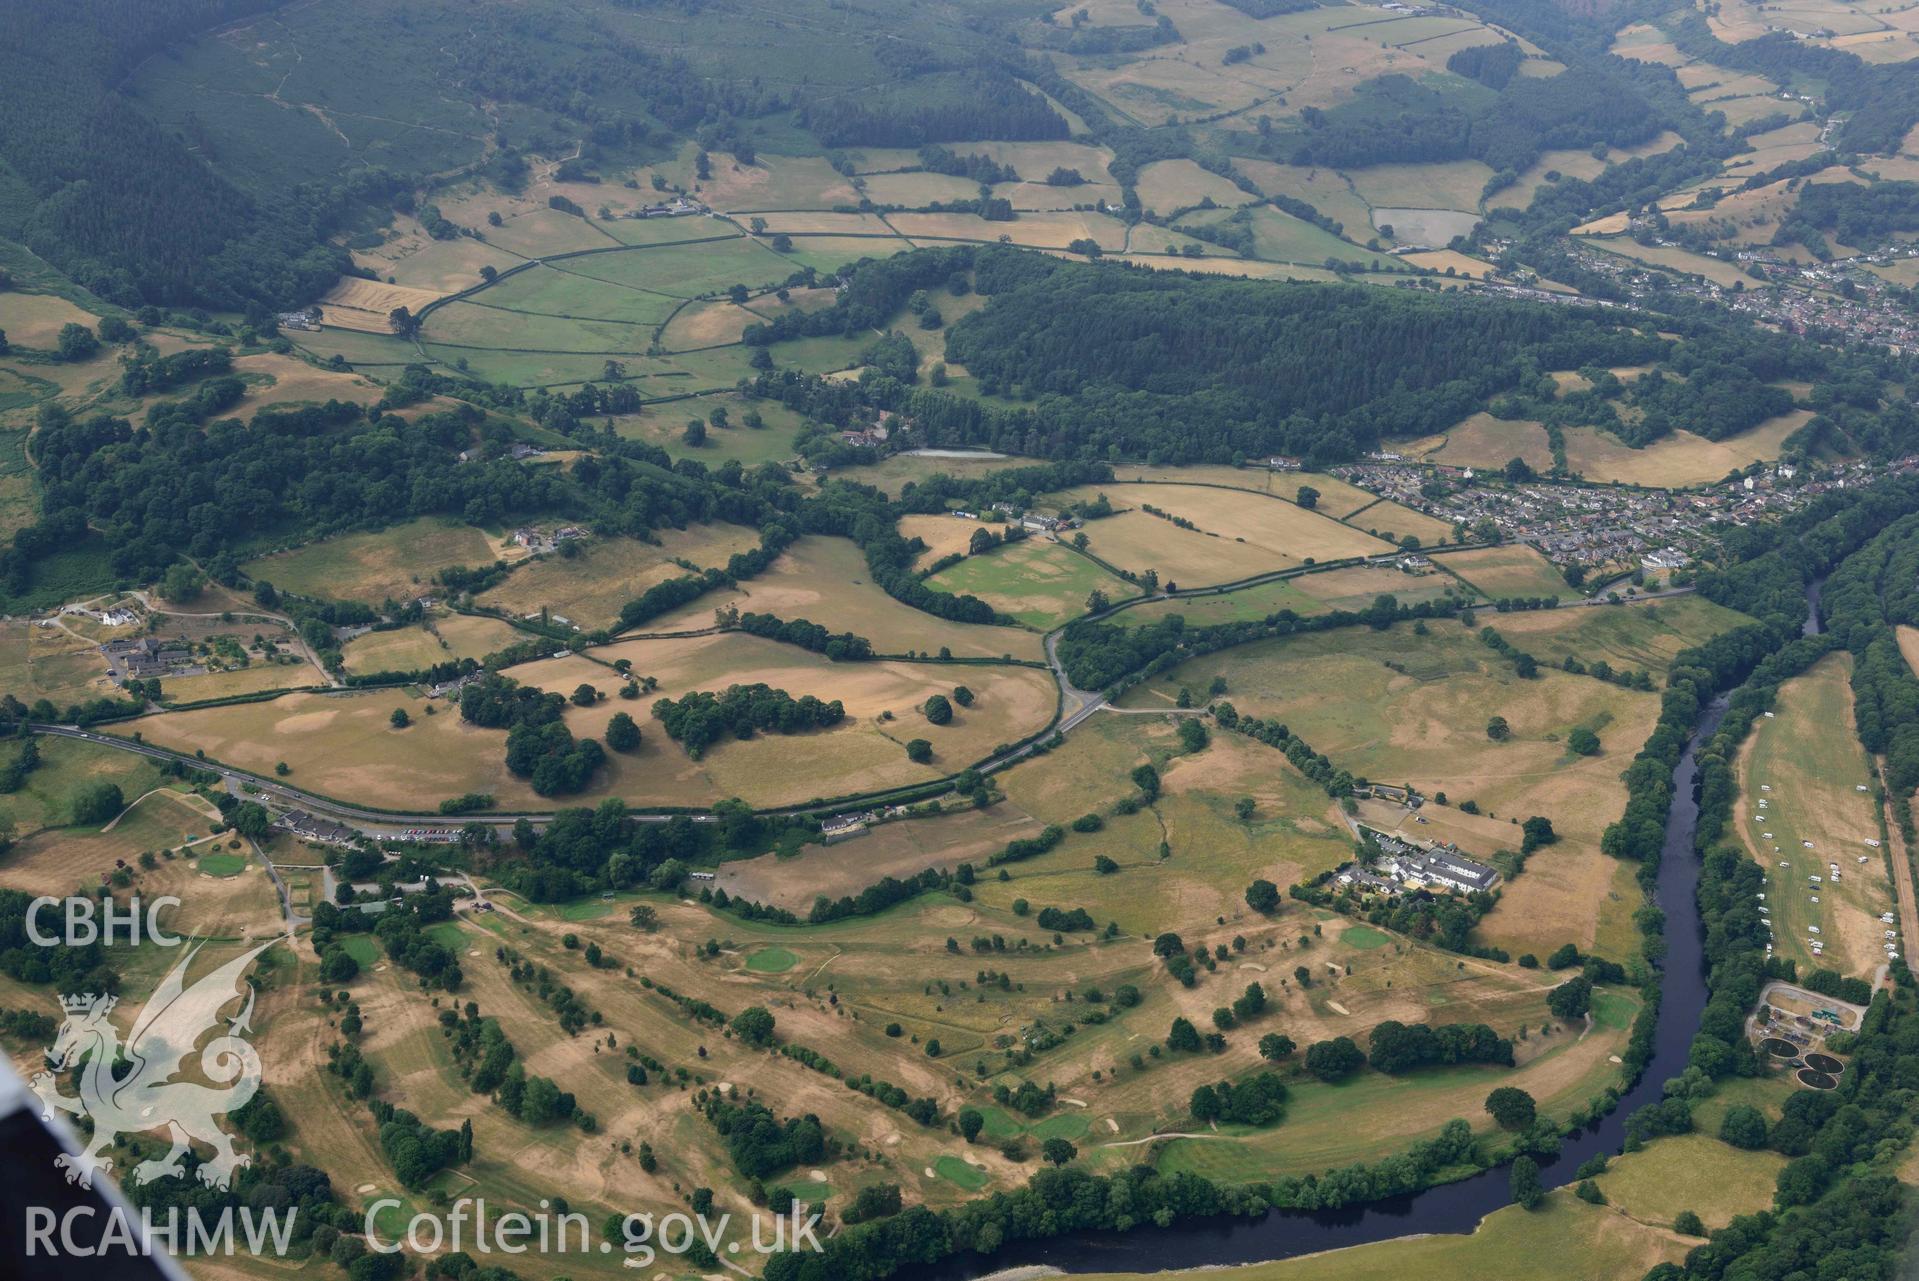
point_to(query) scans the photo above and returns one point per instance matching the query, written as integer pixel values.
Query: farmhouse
(1279, 462)
(146, 657)
(309, 827)
(844, 827)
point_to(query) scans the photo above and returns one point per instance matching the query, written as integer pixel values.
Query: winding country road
(1075, 706)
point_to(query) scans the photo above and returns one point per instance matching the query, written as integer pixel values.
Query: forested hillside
(1106, 361)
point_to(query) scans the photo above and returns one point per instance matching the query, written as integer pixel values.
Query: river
(1451, 1207)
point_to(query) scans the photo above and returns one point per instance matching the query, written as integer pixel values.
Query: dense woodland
(1104, 361)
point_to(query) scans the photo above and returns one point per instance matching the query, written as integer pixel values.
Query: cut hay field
(1389, 705)
(1510, 570)
(1239, 534)
(396, 563)
(439, 640)
(825, 580)
(1040, 582)
(365, 305)
(1799, 773)
(589, 588)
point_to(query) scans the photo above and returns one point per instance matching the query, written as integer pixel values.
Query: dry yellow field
(63, 862)
(364, 305)
(822, 223)
(588, 589)
(1681, 458)
(50, 663)
(1239, 533)
(1511, 570)
(1802, 816)
(899, 849)
(35, 320)
(909, 189)
(943, 535)
(1387, 707)
(1044, 230)
(1356, 587)
(705, 324)
(1569, 893)
(396, 563)
(1169, 185)
(438, 640)
(418, 261)
(1336, 498)
(1486, 442)
(825, 580)
(1683, 261)
(865, 754)
(342, 745)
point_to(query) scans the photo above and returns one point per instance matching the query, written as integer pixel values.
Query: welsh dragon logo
(130, 1089)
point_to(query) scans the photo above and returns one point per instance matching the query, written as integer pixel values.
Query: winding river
(1452, 1207)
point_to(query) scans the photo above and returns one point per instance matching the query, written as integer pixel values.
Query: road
(1075, 706)
(1902, 879)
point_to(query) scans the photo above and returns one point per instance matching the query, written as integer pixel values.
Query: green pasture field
(357, 348)
(1036, 580)
(665, 425)
(686, 271)
(474, 325)
(1280, 237)
(1240, 605)
(67, 767)
(1694, 1172)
